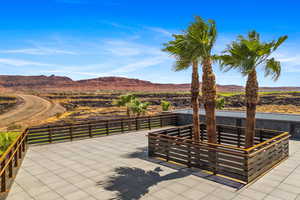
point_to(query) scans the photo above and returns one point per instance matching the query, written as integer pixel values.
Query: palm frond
(273, 68)
(245, 54)
(194, 44)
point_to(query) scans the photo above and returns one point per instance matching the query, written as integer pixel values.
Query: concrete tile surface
(117, 167)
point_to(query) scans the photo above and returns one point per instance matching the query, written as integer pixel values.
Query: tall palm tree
(245, 55)
(190, 48)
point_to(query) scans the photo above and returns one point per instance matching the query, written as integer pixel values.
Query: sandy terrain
(33, 110)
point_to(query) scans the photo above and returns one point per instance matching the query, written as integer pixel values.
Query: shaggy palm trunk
(251, 102)
(209, 99)
(195, 101)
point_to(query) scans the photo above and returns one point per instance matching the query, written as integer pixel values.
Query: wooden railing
(59, 133)
(10, 162)
(226, 134)
(227, 157)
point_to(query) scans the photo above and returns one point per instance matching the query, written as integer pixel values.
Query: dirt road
(30, 112)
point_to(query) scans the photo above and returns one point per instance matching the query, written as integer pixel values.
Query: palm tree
(220, 103)
(245, 55)
(190, 48)
(125, 100)
(139, 108)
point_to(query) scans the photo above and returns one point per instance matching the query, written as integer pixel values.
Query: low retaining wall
(280, 122)
(228, 157)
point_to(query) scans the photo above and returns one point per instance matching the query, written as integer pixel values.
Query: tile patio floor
(117, 167)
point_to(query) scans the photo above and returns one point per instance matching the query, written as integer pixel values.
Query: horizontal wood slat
(50, 134)
(227, 158)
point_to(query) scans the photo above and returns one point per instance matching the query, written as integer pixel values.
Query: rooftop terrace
(118, 167)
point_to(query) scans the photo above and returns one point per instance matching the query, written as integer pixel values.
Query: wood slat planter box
(228, 157)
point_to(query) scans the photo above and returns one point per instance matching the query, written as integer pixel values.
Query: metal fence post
(107, 128)
(50, 134)
(90, 130)
(149, 123)
(71, 133)
(3, 177)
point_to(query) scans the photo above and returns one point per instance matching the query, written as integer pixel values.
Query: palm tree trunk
(195, 101)
(251, 102)
(209, 99)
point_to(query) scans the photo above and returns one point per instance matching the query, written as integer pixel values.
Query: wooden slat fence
(226, 158)
(226, 134)
(10, 162)
(60, 133)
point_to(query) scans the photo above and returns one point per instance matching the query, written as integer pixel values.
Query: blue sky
(91, 38)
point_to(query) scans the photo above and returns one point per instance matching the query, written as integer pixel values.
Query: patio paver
(117, 167)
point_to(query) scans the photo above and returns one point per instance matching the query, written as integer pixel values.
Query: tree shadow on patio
(133, 183)
(142, 153)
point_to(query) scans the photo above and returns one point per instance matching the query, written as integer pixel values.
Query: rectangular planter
(228, 157)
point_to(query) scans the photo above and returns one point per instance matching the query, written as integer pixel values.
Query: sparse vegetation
(126, 101)
(220, 103)
(138, 108)
(7, 102)
(6, 139)
(165, 105)
(97, 106)
(14, 127)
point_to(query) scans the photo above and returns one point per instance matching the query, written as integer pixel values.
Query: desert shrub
(6, 138)
(138, 108)
(58, 115)
(165, 105)
(13, 127)
(220, 104)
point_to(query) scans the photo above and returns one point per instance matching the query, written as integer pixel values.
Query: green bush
(165, 105)
(220, 103)
(6, 138)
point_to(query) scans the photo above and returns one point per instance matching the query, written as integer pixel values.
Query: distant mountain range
(62, 83)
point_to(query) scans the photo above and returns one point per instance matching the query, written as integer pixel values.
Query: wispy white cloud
(125, 48)
(19, 63)
(38, 51)
(289, 58)
(159, 30)
(138, 28)
(143, 63)
(117, 25)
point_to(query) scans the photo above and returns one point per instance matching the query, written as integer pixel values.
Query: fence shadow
(142, 153)
(133, 183)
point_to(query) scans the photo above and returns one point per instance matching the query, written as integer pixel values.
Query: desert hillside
(62, 83)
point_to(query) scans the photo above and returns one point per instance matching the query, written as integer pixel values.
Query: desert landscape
(156, 100)
(54, 99)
